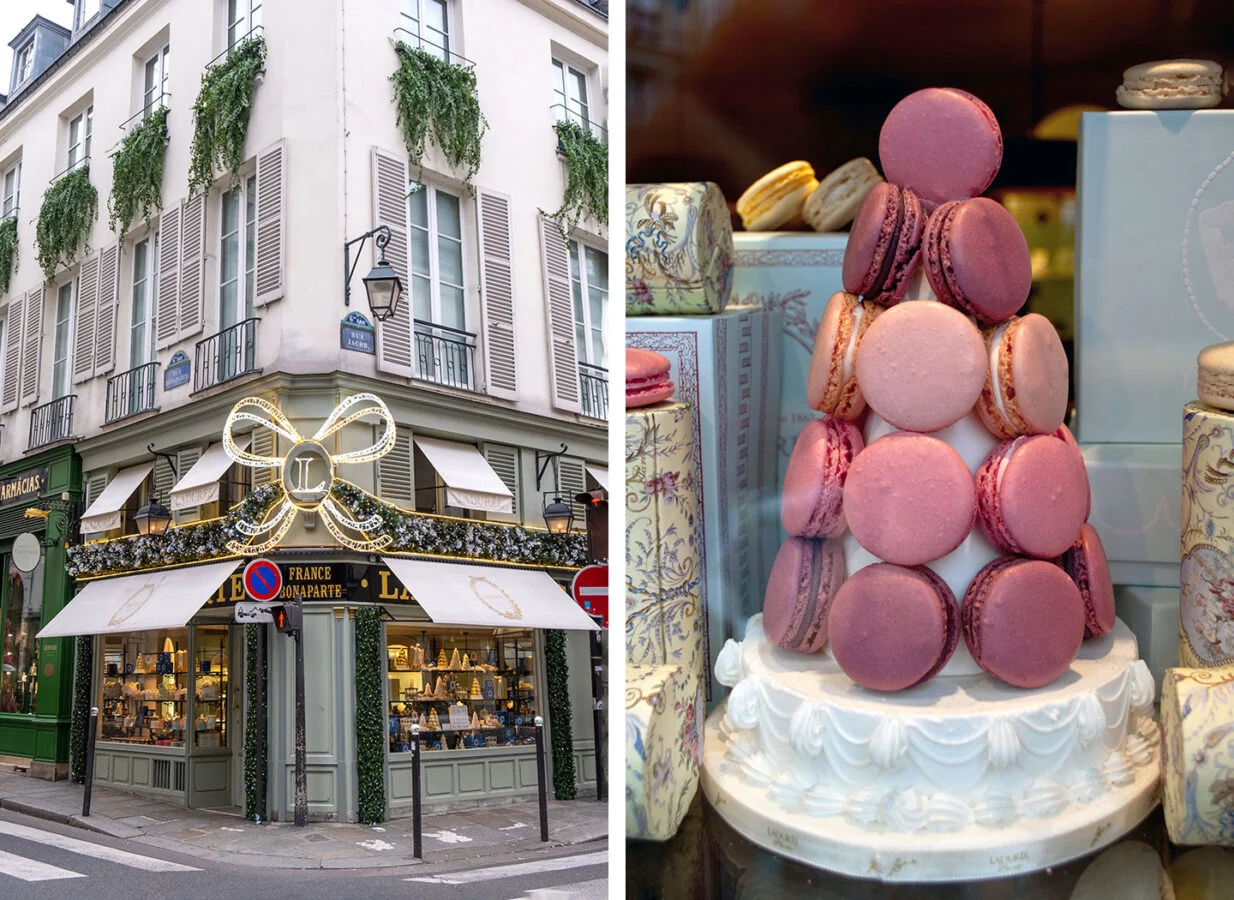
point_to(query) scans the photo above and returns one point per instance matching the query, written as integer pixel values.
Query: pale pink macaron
(804, 579)
(909, 498)
(1026, 389)
(812, 502)
(922, 365)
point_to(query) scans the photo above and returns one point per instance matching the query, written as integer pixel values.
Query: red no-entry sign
(262, 580)
(590, 590)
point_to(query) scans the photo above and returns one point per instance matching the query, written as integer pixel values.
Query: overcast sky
(14, 14)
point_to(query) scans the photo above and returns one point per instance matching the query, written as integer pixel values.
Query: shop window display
(466, 690)
(22, 616)
(148, 679)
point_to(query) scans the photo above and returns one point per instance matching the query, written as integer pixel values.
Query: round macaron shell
(1026, 390)
(871, 240)
(1032, 496)
(1023, 621)
(906, 255)
(804, 578)
(944, 143)
(1086, 563)
(831, 385)
(922, 365)
(812, 501)
(893, 627)
(978, 259)
(909, 498)
(655, 393)
(647, 378)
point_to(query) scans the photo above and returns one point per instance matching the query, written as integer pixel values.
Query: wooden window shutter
(572, 480)
(167, 309)
(505, 463)
(269, 265)
(87, 304)
(32, 347)
(10, 392)
(94, 486)
(109, 300)
(185, 460)
(164, 480)
(192, 300)
(394, 479)
(559, 306)
(262, 445)
(497, 293)
(390, 209)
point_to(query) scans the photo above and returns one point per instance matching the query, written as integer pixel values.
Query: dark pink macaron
(1085, 562)
(1032, 496)
(647, 378)
(943, 143)
(1023, 621)
(976, 259)
(812, 502)
(909, 498)
(893, 627)
(804, 579)
(1064, 434)
(884, 245)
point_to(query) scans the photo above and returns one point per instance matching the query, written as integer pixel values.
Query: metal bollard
(416, 843)
(542, 779)
(89, 777)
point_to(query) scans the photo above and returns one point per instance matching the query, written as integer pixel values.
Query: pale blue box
(1154, 266)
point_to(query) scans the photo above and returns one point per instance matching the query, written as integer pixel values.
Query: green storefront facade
(36, 676)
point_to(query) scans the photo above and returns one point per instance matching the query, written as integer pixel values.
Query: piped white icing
(729, 667)
(1004, 743)
(743, 705)
(996, 390)
(807, 729)
(1090, 718)
(850, 352)
(888, 743)
(1143, 687)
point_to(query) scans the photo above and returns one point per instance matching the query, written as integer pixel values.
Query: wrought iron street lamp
(558, 516)
(153, 518)
(382, 284)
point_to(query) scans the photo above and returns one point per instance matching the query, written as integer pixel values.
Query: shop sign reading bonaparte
(309, 581)
(23, 487)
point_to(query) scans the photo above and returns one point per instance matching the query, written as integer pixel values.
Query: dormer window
(25, 61)
(86, 10)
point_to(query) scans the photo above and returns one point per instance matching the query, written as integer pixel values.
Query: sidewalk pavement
(489, 831)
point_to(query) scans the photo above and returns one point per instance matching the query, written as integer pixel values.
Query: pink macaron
(804, 578)
(943, 143)
(1025, 390)
(647, 380)
(1032, 496)
(832, 384)
(812, 502)
(893, 627)
(922, 365)
(1085, 562)
(909, 498)
(884, 245)
(976, 259)
(1023, 621)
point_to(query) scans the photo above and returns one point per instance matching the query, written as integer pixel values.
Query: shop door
(216, 724)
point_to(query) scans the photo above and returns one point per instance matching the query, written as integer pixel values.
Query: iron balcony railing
(438, 44)
(445, 355)
(131, 392)
(226, 355)
(52, 422)
(562, 113)
(593, 385)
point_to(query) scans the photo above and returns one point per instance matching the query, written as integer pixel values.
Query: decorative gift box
(665, 615)
(727, 367)
(679, 249)
(1155, 234)
(664, 748)
(1197, 708)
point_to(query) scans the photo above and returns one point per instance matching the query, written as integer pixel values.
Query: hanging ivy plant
(8, 252)
(432, 93)
(137, 173)
(69, 209)
(221, 113)
(586, 177)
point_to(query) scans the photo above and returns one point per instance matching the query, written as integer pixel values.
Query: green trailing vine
(558, 672)
(69, 209)
(370, 717)
(8, 252)
(137, 173)
(79, 725)
(586, 177)
(221, 113)
(432, 94)
(256, 740)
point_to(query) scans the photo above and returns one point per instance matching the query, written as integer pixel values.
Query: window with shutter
(86, 335)
(105, 316)
(167, 307)
(572, 480)
(263, 445)
(497, 293)
(185, 460)
(271, 212)
(505, 462)
(162, 480)
(10, 390)
(32, 347)
(394, 476)
(394, 354)
(191, 302)
(95, 483)
(559, 309)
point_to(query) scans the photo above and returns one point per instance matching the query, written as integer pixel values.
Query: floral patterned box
(727, 368)
(1197, 724)
(664, 748)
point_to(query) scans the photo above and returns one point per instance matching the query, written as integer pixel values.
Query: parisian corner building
(196, 386)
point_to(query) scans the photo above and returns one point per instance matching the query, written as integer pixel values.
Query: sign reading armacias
(28, 485)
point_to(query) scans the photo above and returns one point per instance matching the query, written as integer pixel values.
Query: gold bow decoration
(308, 472)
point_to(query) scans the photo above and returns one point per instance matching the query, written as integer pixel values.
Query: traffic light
(287, 617)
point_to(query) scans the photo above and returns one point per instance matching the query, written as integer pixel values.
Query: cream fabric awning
(470, 481)
(106, 512)
(165, 599)
(600, 474)
(200, 484)
(489, 596)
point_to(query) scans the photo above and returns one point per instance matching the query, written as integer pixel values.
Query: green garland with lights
(370, 717)
(8, 252)
(435, 94)
(586, 177)
(137, 173)
(69, 209)
(256, 738)
(221, 113)
(558, 671)
(79, 726)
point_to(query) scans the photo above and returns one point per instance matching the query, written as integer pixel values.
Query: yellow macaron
(776, 198)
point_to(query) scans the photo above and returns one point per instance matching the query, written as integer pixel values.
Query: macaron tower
(958, 672)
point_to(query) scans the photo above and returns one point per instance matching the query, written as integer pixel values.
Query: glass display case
(465, 689)
(22, 606)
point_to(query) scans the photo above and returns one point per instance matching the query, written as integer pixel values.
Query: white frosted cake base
(961, 778)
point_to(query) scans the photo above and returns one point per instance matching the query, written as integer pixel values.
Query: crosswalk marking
(95, 851)
(516, 869)
(32, 869)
